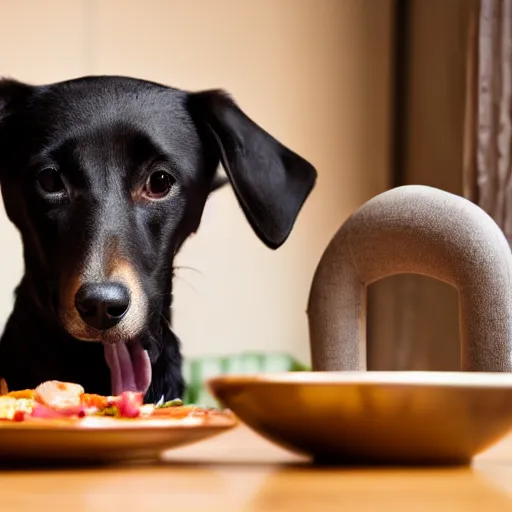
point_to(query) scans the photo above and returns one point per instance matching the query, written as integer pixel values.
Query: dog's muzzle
(102, 306)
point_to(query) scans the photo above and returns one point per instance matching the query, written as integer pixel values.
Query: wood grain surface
(241, 471)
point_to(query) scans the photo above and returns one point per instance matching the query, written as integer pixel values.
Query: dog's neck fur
(31, 334)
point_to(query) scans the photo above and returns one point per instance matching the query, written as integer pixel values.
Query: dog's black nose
(102, 305)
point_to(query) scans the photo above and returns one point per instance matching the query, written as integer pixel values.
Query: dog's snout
(102, 305)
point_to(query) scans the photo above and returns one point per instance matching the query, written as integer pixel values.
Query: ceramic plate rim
(124, 425)
(455, 379)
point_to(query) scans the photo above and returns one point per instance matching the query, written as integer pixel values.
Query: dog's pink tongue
(130, 367)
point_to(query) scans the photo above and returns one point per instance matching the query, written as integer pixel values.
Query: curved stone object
(419, 230)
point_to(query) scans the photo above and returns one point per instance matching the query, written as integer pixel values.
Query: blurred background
(373, 92)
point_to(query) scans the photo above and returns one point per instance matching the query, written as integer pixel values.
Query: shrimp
(59, 395)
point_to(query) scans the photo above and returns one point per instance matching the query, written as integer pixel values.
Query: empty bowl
(374, 417)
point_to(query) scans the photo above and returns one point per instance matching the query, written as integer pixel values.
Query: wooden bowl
(374, 417)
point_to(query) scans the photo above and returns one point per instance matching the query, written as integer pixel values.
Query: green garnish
(171, 403)
(111, 410)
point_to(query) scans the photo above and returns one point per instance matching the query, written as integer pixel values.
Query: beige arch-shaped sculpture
(420, 230)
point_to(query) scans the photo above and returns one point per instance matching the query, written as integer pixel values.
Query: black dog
(105, 177)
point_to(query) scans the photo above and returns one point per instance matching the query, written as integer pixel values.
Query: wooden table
(240, 471)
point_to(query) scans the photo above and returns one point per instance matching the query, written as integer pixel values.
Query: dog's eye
(50, 182)
(158, 185)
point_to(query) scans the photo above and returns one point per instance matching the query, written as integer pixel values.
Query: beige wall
(315, 73)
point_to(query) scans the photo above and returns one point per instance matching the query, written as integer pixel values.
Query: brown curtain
(488, 155)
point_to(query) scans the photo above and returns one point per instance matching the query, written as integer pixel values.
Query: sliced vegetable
(176, 413)
(110, 410)
(98, 401)
(171, 403)
(129, 404)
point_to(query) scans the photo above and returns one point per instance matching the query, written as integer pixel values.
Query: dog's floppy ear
(271, 182)
(12, 93)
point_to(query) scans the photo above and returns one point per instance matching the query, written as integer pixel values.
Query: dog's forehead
(103, 116)
(82, 106)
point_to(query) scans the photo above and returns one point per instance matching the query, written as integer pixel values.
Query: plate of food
(59, 421)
